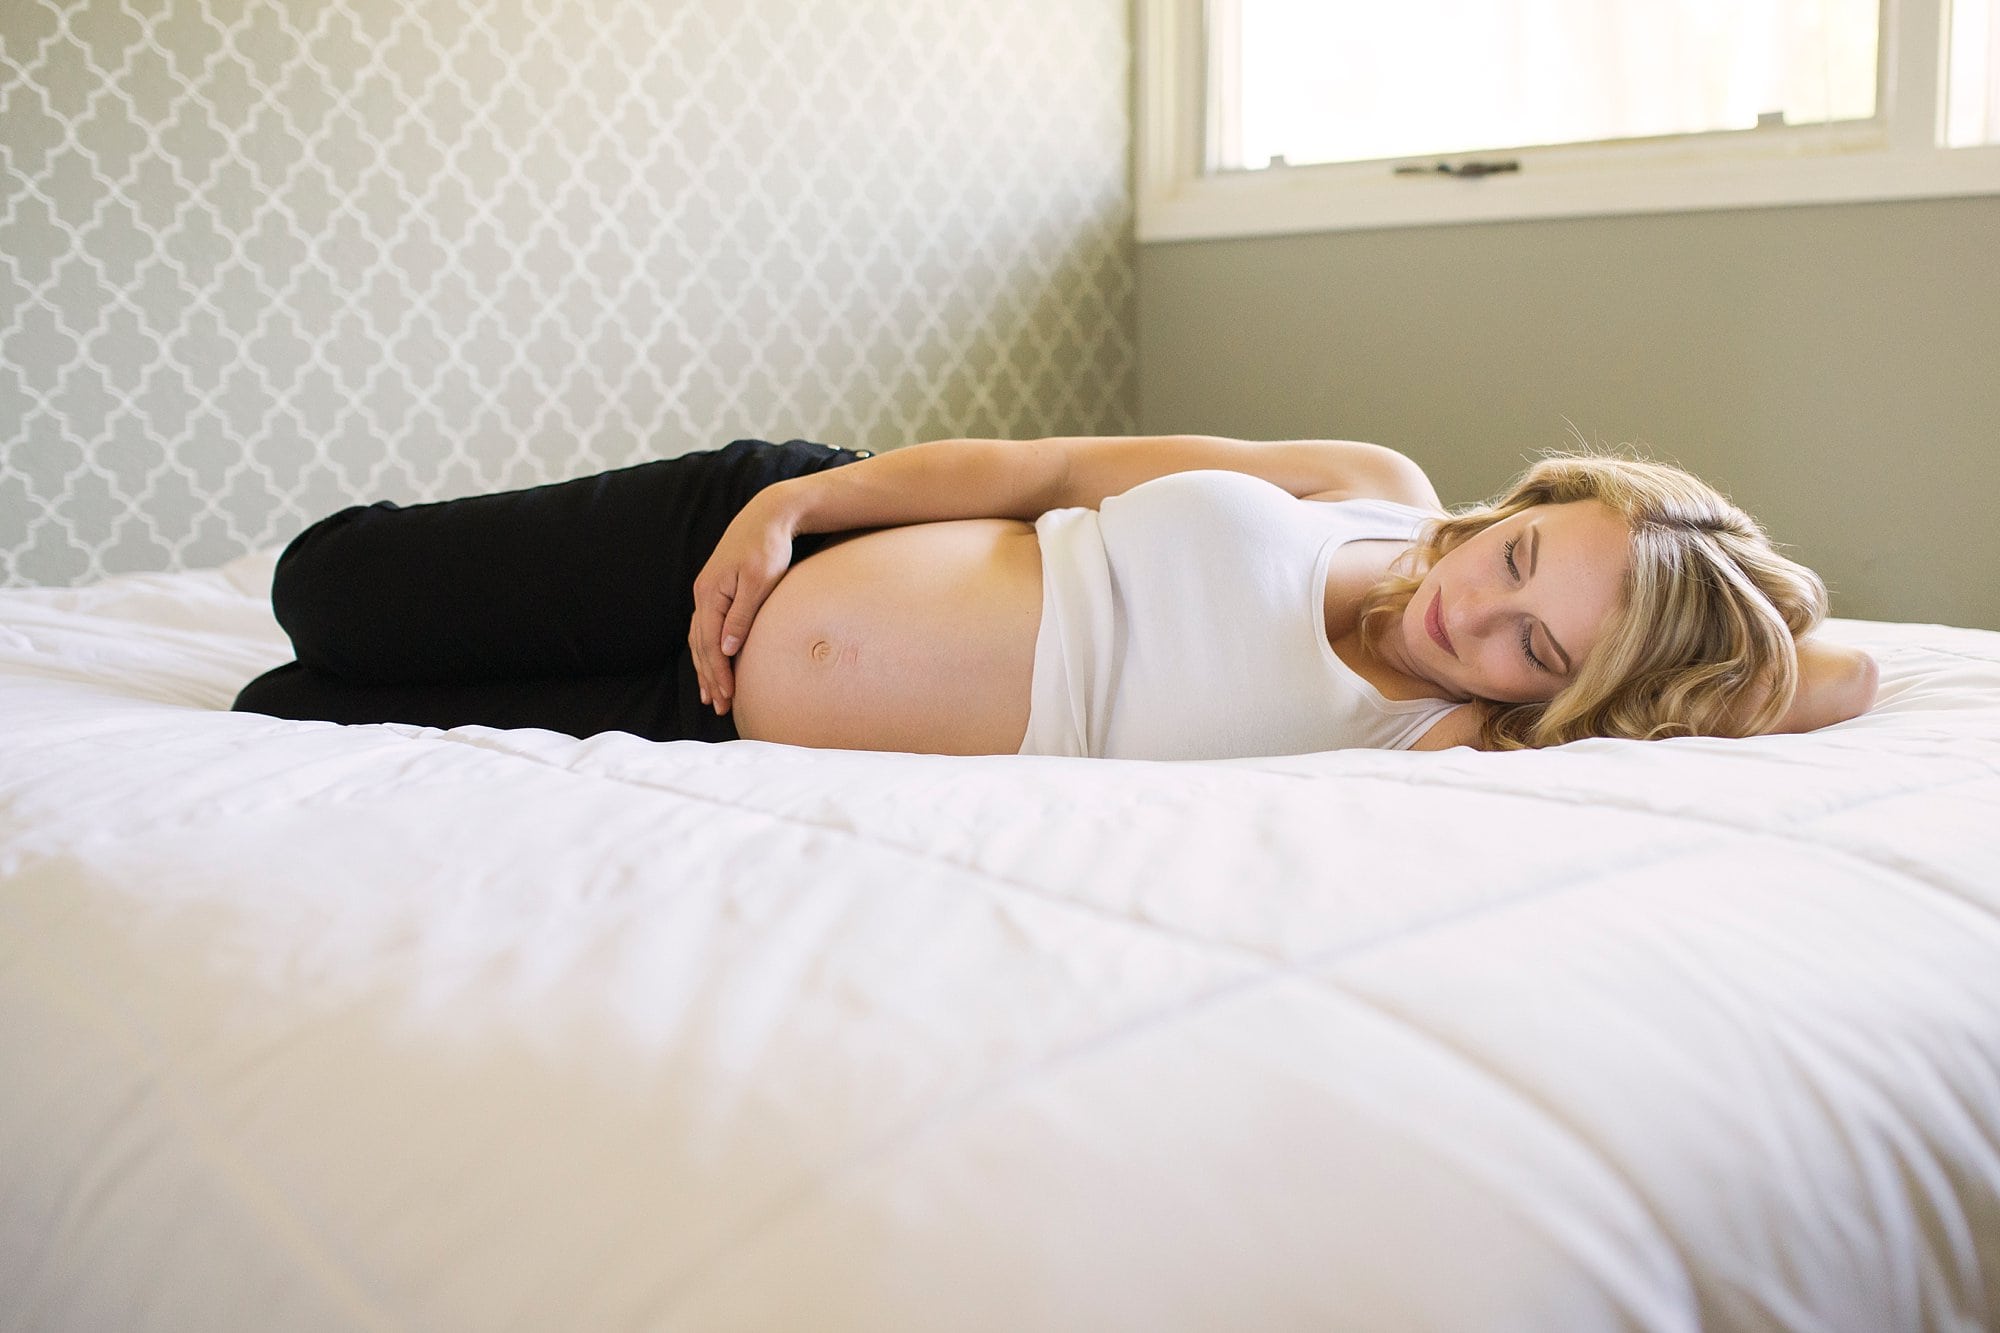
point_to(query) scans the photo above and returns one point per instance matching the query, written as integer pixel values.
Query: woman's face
(1511, 614)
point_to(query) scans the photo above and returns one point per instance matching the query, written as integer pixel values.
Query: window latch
(1463, 170)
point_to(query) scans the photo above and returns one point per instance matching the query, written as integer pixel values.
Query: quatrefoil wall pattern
(262, 258)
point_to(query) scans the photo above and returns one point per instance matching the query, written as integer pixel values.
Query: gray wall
(1835, 369)
(261, 258)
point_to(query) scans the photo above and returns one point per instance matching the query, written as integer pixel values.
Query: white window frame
(1896, 156)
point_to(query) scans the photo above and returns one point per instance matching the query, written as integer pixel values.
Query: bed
(304, 1027)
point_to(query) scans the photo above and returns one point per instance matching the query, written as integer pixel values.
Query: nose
(1481, 607)
(1475, 605)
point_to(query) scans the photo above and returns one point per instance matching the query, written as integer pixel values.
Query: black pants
(563, 606)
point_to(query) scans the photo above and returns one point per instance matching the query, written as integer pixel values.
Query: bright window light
(1308, 81)
(1972, 112)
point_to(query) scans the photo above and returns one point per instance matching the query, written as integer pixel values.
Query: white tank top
(1186, 619)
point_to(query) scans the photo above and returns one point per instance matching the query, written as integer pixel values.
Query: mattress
(309, 1027)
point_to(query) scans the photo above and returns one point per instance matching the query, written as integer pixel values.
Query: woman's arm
(1021, 479)
(1835, 683)
(1025, 479)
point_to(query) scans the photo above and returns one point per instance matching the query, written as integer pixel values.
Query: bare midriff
(913, 638)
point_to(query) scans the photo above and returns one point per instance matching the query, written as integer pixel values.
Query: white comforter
(306, 1027)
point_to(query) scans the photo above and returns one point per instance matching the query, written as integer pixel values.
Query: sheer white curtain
(1349, 80)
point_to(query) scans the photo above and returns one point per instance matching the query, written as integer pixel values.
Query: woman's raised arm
(1024, 479)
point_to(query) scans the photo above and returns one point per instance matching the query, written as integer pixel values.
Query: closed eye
(1527, 629)
(1528, 647)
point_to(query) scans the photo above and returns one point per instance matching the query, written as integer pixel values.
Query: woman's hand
(753, 554)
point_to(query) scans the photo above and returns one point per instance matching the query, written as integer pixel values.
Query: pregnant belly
(919, 638)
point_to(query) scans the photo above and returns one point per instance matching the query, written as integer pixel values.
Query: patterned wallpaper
(261, 258)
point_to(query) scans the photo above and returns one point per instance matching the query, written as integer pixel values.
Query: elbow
(1854, 690)
(1866, 681)
(1836, 690)
(1836, 684)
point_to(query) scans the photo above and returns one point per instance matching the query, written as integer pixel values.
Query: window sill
(1551, 184)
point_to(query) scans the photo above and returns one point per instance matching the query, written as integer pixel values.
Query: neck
(1388, 649)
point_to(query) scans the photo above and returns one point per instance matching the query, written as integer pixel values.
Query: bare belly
(919, 638)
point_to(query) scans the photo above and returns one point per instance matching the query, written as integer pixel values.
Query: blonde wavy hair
(1704, 642)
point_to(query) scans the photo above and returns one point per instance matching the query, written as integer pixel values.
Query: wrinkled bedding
(308, 1027)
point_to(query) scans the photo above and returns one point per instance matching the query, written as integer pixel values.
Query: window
(1972, 75)
(1260, 116)
(1313, 82)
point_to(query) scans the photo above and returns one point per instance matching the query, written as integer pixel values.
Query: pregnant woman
(1178, 597)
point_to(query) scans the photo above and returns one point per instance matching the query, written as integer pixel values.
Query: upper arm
(1093, 468)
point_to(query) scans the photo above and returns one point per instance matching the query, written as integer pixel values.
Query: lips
(1434, 624)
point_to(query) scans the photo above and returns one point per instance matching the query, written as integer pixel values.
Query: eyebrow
(1534, 553)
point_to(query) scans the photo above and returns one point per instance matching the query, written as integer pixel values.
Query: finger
(697, 652)
(711, 669)
(721, 671)
(722, 682)
(700, 672)
(723, 691)
(753, 586)
(736, 626)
